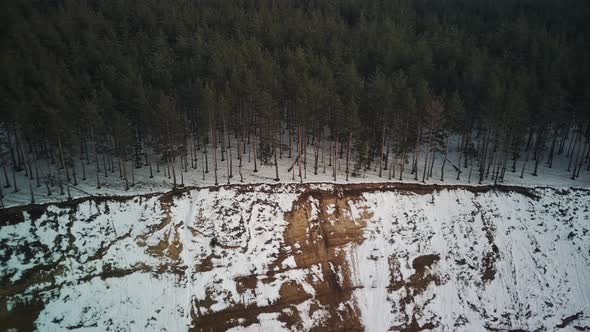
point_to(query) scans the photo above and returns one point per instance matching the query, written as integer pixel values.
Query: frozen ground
(290, 257)
(557, 176)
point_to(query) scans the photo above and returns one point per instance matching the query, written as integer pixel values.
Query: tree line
(384, 85)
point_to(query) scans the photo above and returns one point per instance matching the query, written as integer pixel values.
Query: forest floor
(291, 257)
(141, 183)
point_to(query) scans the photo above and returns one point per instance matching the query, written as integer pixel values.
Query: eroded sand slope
(315, 257)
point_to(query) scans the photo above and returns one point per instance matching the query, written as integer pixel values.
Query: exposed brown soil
(421, 279)
(312, 241)
(22, 316)
(319, 238)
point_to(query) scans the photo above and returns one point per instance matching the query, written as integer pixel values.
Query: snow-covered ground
(291, 257)
(537, 254)
(557, 176)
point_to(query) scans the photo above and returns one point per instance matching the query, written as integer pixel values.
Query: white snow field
(288, 257)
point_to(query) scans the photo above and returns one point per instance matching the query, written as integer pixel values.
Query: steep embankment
(376, 257)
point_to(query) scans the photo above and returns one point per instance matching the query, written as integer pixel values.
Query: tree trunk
(466, 148)
(539, 151)
(529, 140)
(431, 164)
(427, 151)
(203, 166)
(462, 147)
(228, 162)
(331, 146)
(402, 165)
(240, 160)
(334, 163)
(61, 156)
(96, 158)
(576, 138)
(323, 159)
(83, 171)
(149, 163)
(290, 129)
(37, 173)
(19, 158)
(305, 139)
(470, 170)
(214, 150)
(386, 161)
(254, 144)
(572, 141)
(348, 153)
(524, 163)
(172, 165)
(31, 191)
(416, 155)
(483, 158)
(190, 149)
(127, 179)
(381, 151)
(581, 164)
(12, 154)
(74, 171)
(280, 140)
(299, 143)
(442, 169)
(515, 154)
(7, 185)
(576, 160)
(181, 173)
(97, 176)
(229, 157)
(316, 155)
(132, 176)
(206, 168)
(222, 136)
(274, 147)
(14, 180)
(552, 150)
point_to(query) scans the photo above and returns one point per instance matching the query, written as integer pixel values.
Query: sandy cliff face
(316, 257)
